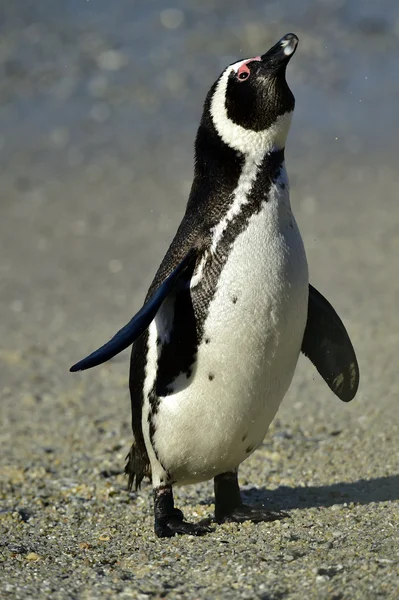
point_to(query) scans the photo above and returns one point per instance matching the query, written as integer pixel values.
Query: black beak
(281, 53)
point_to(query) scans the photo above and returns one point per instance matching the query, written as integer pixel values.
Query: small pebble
(32, 556)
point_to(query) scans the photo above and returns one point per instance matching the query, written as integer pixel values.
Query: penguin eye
(243, 73)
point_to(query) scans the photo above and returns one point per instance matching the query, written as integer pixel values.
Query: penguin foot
(173, 526)
(229, 507)
(250, 513)
(169, 521)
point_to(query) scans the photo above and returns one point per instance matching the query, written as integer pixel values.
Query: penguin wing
(139, 323)
(327, 344)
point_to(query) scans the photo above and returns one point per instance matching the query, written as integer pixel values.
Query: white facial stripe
(247, 141)
(237, 65)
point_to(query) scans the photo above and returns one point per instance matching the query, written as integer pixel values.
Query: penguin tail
(137, 467)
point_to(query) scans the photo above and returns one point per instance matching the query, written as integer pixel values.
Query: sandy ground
(97, 117)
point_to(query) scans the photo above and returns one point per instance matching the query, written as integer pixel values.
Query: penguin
(216, 343)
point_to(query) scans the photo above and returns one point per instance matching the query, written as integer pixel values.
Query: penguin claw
(255, 514)
(175, 526)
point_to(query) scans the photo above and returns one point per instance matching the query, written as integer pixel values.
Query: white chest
(245, 363)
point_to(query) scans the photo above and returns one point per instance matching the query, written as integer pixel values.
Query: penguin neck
(217, 166)
(224, 177)
(259, 182)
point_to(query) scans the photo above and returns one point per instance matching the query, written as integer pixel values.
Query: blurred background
(99, 105)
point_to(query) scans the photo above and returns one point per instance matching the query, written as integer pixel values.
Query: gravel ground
(98, 111)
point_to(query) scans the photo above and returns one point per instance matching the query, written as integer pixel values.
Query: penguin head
(251, 105)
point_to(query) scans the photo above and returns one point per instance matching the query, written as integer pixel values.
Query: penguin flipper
(326, 343)
(139, 323)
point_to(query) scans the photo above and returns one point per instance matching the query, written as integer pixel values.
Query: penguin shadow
(363, 491)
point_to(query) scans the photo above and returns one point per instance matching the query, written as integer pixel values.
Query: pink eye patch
(243, 69)
(244, 72)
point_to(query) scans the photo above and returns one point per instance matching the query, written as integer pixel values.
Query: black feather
(327, 344)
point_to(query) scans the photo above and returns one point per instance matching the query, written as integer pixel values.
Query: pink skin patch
(244, 68)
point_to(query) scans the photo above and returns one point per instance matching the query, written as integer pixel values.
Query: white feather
(240, 197)
(211, 425)
(196, 278)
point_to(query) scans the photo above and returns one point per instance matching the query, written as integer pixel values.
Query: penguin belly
(245, 361)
